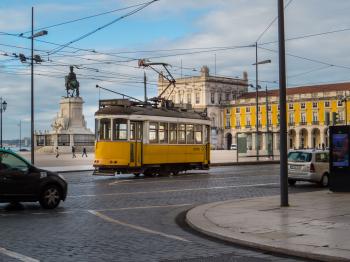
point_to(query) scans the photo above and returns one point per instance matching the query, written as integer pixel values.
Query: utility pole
(32, 92)
(20, 135)
(145, 85)
(257, 102)
(267, 122)
(283, 108)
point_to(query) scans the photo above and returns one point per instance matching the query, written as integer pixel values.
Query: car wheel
(291, 182)
(50, 197)
(325, 180)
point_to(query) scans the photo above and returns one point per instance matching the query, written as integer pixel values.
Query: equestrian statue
(72, 84)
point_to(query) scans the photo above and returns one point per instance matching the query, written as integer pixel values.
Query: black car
(22, 182)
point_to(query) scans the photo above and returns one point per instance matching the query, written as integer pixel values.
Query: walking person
(73, 152)
(84, 152)
(57, 154)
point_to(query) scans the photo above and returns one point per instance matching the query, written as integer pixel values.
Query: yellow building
(308, 111)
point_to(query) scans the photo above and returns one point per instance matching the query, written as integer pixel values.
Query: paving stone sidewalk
(315, 226)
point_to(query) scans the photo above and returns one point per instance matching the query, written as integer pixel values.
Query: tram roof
(149, 111)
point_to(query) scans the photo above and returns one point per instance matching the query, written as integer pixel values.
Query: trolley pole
(145, 85)
(283, 109)
(257, 102)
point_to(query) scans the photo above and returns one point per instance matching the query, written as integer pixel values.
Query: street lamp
(38, 34)
(257, 95)
(3, 106)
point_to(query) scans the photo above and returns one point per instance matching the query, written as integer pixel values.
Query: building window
(303, 118)
(326, 103)
(197, 98)
(153, 132)
(341, 116)
(302, 105)
(314, 117)
(314, 104)
(238, 122)
(247, 109)
(227, 96)
(291, 118)
(269, 107)
(247, 121)
(228, 122)
(189, 98)
(291, 106)
(278, 106)
(340, 103)
(228, 111)
(259, 108)
(270, 120)
(212, 98)
(238, 110)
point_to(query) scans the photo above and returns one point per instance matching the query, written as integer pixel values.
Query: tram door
(135, 143)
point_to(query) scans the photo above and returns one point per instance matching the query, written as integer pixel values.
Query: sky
(187, 32)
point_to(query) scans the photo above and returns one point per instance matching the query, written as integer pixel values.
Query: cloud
(210, 24)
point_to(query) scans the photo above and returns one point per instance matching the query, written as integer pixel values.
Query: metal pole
(283, 109)
(145, 85)
(1, 121)
(346, 111)
(32, 94)
(257, 102)
(267, 121)
(20, 135)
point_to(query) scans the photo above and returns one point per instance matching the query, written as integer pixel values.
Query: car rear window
(299, 156)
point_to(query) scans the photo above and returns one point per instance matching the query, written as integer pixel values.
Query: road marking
(18, 256)
(139, 228)
(176, 190)
(141, 207)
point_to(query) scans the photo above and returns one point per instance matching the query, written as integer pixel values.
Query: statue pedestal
(68, 129)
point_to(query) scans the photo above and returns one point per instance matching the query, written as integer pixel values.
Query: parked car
(22, 182)
(233, 147)
(308, 165)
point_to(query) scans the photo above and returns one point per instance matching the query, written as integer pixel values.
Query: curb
(196, 219)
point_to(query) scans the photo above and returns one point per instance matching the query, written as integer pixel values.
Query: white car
(233, 147)
(308, 165)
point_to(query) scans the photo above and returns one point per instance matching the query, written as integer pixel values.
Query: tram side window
(120, 129)
(198, 134)
(172, 133)
(189, 134)
(153, 132)
(181, 134)
(206, 134)
(163, 133)
(105, 129)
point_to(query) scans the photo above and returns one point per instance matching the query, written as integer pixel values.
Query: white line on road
(176, 190)
(18, 256)
(139, 228)
(141, 207)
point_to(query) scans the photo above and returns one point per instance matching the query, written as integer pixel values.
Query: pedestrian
(73, 152)
(84, 152)
(57, 154)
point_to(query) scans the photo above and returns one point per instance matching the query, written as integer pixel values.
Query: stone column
(253, 141)
(309, 139)
(297, 139)
(264, 141)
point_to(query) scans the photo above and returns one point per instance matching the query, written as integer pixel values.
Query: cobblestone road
(135, 219)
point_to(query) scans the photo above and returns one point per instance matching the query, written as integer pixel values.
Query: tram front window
(105, 129)
(120, 129)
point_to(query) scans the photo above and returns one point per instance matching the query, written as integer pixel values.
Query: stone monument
(69, 126)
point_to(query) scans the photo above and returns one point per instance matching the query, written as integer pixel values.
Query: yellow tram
(134, 138)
